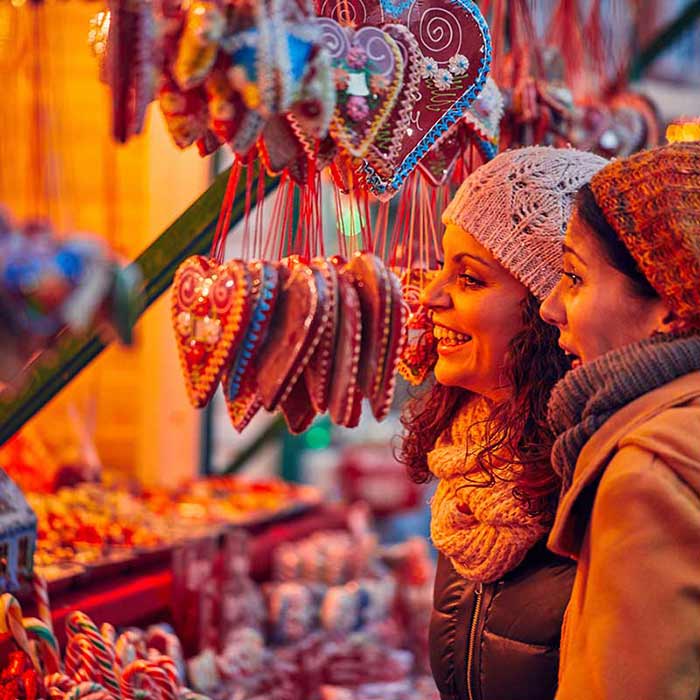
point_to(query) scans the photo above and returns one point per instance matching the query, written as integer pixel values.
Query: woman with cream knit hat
(480, 428)
(628, 425)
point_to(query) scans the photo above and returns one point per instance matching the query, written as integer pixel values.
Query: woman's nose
(434, 295)
(552, 309)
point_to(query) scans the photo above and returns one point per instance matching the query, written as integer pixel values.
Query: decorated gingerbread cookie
(209, 308)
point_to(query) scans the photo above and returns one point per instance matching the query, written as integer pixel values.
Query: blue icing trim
(251, 338)
(396, 9)
(450, 117)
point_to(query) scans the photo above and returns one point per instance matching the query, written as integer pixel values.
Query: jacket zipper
(472, 637)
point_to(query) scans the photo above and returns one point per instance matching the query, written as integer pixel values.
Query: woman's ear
(668, 322)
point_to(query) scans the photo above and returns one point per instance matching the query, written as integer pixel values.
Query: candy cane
(11, 626)
(129, 647)
(134, 670)
(50, 652)
(163, 680)
(81, 662)
(109, 634)
(169, 666)
(78, 622)
(41, 597)
(88, 691)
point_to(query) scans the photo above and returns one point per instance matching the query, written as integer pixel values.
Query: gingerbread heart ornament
(208, 305)
(449, 48)
(368, 69)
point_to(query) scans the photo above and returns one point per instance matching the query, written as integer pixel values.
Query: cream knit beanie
(517, 206)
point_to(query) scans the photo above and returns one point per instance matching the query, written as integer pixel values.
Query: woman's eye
(470, 281)
(573, 278)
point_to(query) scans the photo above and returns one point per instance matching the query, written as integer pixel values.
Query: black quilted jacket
(500, 641)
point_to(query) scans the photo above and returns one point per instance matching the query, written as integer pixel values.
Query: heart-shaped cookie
(293, 335)
(383, 391)
(318, 372)
(345, 400)
(371, 281)
(262, 299)
(208, 306)
(453, 53)
(368, 69)
(297, 409)
(247, 403)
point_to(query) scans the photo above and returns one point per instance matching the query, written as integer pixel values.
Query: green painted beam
(665, 39)
(190, 234)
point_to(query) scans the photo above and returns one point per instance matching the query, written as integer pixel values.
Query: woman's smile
(449, 340)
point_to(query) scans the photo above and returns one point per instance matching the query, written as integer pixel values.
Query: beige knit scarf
(484, 530)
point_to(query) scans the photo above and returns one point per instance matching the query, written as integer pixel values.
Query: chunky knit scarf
(587, 396)
(484, 530)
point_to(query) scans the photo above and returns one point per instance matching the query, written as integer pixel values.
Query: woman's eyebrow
(458, 259)
(568, 249)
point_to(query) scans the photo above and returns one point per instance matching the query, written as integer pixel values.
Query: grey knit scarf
(588, 395)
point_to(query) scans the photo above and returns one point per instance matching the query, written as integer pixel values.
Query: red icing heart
(208, 310)
(293, 335)
(383, 391)
(318, 372)
(369, 73)
(374, 291)
(345, 400)
(448, 47)
(297, 409)
(246, 404)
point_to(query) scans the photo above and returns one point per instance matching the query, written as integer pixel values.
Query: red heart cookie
(293, 335)
(383, 392)
(318, 372)
(246, 404)
(345, 400)
(208, 310)
(297, 409)
(374, 290)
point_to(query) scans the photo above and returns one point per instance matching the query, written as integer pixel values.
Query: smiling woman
(480, 428)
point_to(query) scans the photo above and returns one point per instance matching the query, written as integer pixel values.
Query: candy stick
(109, 634)
(169, 666)
(57, 685)
(78, 622)
(11, 626)
(129, 647)
(88, 690)
(81, 662)
(50, 653)
(167, 687)
(41, 597)
(130, 674)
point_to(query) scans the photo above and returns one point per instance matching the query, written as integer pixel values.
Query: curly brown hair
(516, 428)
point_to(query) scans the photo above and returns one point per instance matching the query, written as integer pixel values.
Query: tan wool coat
(632, 521)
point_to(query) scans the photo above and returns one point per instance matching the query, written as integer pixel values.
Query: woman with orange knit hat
(628, 424)
(481, 431)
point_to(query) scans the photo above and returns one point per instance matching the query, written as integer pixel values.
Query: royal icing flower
(342, 78)
(458, 64)
(378, 83)
(443, 79)
(430, 68)
(357, 108)
(356, 58)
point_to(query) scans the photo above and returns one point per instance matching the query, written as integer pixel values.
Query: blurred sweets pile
(93, 524)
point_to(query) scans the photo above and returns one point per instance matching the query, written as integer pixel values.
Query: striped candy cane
(132, 676)
(41, 597)
(48, 646)
(57, 685)
(11, 626)
(77, 623)
(88, 691)
(81, 662)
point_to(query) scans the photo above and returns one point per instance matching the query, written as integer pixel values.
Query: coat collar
(574, 508)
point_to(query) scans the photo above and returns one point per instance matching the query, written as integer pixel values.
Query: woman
(481, 429)
(628, 423)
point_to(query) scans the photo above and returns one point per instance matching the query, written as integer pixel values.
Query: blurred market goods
(92, 526)
(49, 283)
(18, 534)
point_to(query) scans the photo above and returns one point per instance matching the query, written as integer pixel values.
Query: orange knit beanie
(652, 201)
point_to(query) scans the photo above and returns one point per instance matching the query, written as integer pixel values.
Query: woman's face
(593, 305)
(476, 308)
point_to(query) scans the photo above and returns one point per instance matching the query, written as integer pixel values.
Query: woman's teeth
(449, 337)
